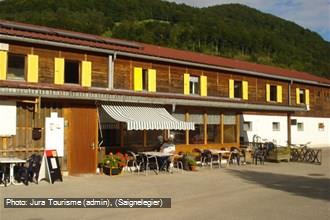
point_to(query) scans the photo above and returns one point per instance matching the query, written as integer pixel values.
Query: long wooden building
(123, 95)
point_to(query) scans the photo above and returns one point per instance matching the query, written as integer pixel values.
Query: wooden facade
(32, 110)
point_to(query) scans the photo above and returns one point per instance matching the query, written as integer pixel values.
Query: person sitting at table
(169, 148)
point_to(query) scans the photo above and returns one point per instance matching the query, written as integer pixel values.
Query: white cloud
(311, 14)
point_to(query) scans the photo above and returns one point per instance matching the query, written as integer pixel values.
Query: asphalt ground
(270, 191)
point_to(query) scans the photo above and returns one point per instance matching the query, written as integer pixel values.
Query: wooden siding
(48, 54)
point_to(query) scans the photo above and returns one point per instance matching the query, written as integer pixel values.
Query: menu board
(7, 118)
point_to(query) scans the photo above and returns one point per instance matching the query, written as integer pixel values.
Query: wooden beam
(222, 129)
(205, 128)
(187, 131)
(238, 128)
(289, 128)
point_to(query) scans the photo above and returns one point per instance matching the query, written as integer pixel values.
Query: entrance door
(81, 140)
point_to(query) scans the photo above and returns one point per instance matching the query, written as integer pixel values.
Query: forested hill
(231, 30)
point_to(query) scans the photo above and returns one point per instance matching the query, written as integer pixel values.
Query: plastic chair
(133, 161)
(225, 156)
(199, 156)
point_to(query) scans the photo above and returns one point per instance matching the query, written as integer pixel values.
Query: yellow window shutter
(59, 71)
(138, 79)
(298, 95)
(3, 65)
(203, 85)
(186, 82)
(152, 80)
(307, 96)
(245, 86)
(268, 92)
(279, 93)
(86, 74)
(231, 88)
(33, 68)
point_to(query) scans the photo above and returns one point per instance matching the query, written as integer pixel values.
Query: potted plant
(113, 164)
(189, 162)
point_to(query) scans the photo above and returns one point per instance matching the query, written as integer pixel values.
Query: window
(71, 72)
(145, 79)
(16, 67)
(302, 96)
(197, 136)
(229, 126)
(321, 126)
(194, 85)
(300, 126)
(273, 93)
(276, 126)
(238, 89)
(213, 128)
(179, 135)
(247, 126)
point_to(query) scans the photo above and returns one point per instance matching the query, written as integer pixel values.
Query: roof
(76, 38)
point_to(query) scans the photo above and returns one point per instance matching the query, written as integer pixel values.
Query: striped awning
(142, 117)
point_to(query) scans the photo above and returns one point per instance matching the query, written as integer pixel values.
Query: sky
(311, 14)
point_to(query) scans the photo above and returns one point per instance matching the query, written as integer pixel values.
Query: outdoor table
(219, 153)
(12, 161)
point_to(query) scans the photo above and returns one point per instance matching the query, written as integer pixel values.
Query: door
(81, 140)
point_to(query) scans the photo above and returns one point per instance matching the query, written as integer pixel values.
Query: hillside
(232, 30)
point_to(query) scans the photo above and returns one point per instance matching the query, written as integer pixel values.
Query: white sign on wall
(54, 136)
(7, 118)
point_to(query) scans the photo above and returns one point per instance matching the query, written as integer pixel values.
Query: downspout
(289, 92)
(111, 66)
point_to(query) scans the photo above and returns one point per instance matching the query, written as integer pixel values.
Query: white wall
(311, 132)
(262, 126)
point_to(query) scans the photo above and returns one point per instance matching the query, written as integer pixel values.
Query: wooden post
(289, 129)
(205, 128)
(4, 146)
(187, 131)
(222, 129)
(238, 128)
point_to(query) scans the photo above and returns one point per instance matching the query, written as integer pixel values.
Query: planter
(112, 171)
(192, 167)
(280, 154)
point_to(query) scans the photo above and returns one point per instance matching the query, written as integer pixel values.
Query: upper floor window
(238, 89)
(71, 71)
(194, 85)
(302, 96)
(144, 79)
(16, 67)
(273, 93)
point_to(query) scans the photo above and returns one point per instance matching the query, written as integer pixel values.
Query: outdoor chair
(225, 156)
(210, 158)
(149, 163)
(236, 155)
(177, 162)
(259, 155)
(133, 162)
(29, 173)
(4, 174)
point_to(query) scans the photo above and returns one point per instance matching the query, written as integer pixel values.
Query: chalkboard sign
(50, 167)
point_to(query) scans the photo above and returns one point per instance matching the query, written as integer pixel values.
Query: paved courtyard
(270, 191)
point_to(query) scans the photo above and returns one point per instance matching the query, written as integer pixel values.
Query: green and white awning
(142, 117)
